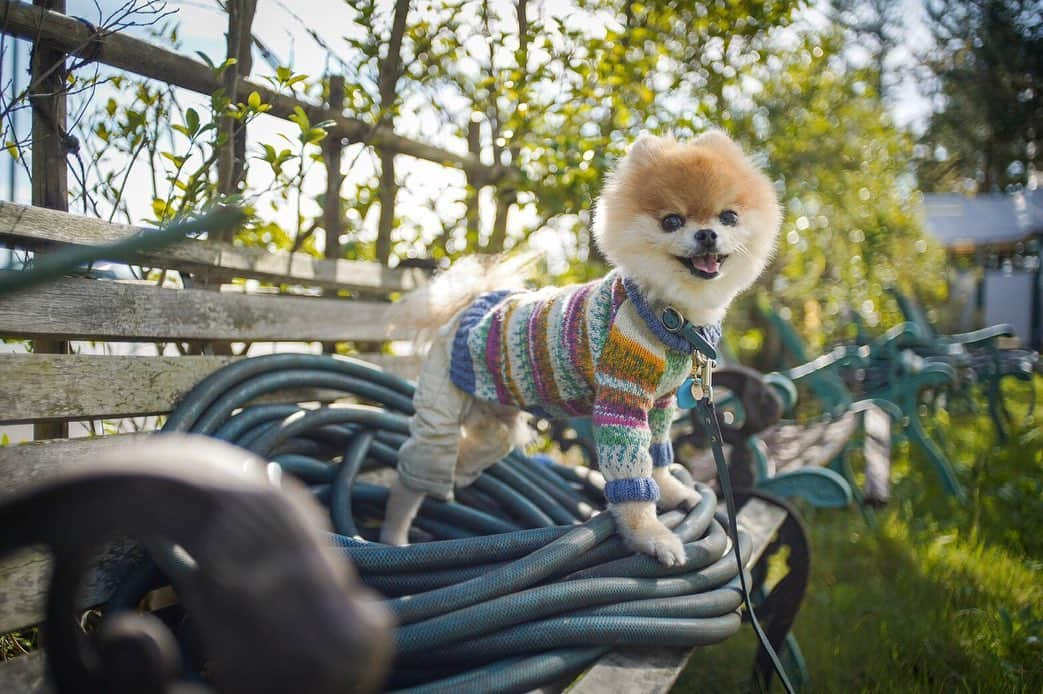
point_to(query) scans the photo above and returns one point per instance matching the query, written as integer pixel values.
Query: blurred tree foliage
(845, 176)
(986, 132)
(556, 91)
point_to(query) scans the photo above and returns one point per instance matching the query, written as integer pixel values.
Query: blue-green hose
(519, 581)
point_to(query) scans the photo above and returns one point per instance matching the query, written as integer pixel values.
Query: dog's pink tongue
(706, 263)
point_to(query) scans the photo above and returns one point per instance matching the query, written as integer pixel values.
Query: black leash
(697, 392)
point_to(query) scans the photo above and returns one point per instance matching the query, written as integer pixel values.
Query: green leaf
(159, 208)
(300, 118)
(254, 100)
(1006, 621)
(178, 161)
(192, 120)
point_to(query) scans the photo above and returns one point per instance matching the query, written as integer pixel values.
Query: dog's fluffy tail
(423, 311)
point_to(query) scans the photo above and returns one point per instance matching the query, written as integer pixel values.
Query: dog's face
(693, 223)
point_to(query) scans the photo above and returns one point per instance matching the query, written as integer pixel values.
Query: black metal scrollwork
(275, 608)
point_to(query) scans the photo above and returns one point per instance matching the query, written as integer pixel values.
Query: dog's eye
(729, 218)
(672, 222)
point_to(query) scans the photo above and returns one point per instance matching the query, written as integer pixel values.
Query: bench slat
(25, 577)
(627, 670)
(817, 444)
(64, 387)
(25, 674)
(47, 387)
(876, 450)
(26, 463)
(93, 309)
(37, 227)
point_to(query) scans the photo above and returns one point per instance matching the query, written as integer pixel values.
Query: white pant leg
(490, 432)
(427, 460)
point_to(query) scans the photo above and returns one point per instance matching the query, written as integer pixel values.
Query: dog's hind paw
(673, 493)
(398, 539)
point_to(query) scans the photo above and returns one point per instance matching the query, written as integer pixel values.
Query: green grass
(928, 595)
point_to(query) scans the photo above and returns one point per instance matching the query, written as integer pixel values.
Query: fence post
(332, 151)
(507, 196)
(50, 173)
(390, 71)
(232, 157)
(474, 184)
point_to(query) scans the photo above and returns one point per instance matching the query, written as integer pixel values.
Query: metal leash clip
(699, 385)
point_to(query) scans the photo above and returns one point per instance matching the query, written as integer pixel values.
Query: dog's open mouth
(706, 265)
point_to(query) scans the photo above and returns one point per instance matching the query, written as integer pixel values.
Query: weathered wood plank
(760, 520)
(95, 309)
(654, 670)
(37, 227)
(149, 60)
(46, 387)
(32, 462)
(800, 445)
(632, 670)
(38, 387)
(25, 674)
(50, 170)
(25, 577)
(876, 450)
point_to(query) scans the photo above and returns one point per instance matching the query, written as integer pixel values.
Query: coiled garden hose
(516, 583)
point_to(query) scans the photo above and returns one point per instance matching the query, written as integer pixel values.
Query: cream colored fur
(432, 307)
(698, 180)
(658, 177)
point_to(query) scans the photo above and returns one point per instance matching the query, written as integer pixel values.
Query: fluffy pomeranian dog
(687, 225)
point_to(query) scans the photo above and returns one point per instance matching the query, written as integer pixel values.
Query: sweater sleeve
(625, 380)
(660, 417)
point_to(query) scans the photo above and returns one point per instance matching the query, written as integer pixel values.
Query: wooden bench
(883, 373)
(107, 381)
(90, 387)
(79, 387)
(791, 460)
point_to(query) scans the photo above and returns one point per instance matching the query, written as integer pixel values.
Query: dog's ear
(645, 149)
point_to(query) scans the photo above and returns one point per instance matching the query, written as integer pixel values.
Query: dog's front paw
(673, 493)
(660, 543)
(643, 532)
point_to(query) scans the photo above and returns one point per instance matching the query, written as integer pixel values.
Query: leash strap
(697, 392)
(708, 418)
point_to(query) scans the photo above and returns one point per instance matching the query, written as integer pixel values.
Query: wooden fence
(83, 309)
(50, 387)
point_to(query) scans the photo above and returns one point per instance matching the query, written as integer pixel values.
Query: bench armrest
(982, 337)
(892, 410)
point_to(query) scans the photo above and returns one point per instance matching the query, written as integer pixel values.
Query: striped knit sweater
(593, 349)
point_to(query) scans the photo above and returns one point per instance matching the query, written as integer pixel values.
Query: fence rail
(133, 55)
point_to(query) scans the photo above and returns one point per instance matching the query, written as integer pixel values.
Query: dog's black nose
(707, 237)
